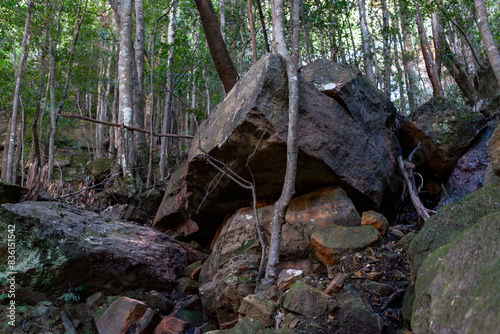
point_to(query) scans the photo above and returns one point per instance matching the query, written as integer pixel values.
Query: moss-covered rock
(306, 300)
(458, 285)
(444, 129)
(450, 222)
(356, 316)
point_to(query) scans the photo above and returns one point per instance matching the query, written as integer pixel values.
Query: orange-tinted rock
(331, 243)
(171, 325)
(121, 315)
(376, 220)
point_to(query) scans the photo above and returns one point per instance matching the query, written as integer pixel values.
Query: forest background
(68, 57)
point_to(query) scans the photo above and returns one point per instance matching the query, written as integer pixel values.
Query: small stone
(291, 321)
(258, 308)
(273, 293)
(398, 275)
(158, 301)
(336, 284)
(380, 289)
(376, 220)
(187, 285)
(193, 270)
(171, 325)
(95, 301)
(405, 241)
(373, 276)
(306, 300)
(287, 277)
(121, 315)
(396, 233)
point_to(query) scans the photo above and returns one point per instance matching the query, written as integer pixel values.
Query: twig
(446, 194)
(132, 128)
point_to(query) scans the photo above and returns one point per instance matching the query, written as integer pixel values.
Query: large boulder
(468, 174)
(494, 151)
(61, 247)
(449, 223)
(229, 273)
(458, 286)
(335, 148)
(444, 129)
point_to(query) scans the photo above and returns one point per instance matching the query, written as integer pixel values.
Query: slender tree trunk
(252, 31)
(487, 36)
(288, 190)
(138, 64)
(33, 182)
(387, 50)
(222, 13)
(125, 98)
(295, 22)
(223, 63)
(263, 25)
(367, 48)
(17, 94)
(52, 84)
(437, 37)
(167, 112)
(430, 65)
(408, 53)
(306, 38)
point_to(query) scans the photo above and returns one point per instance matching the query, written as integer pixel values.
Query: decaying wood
(405, 168)
(132, 128)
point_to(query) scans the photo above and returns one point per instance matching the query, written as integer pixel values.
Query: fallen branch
(83, 118)
(421, 210)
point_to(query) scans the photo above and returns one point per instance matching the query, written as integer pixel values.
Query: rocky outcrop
(494, 151)
(336, 147)
(64, 247)
(229, 273)
(356, 316)
(444, 129)
(450, 222)
(469, 173)
(458, 286)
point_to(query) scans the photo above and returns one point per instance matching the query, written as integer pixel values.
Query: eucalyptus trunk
(487, 36)
(367, 47)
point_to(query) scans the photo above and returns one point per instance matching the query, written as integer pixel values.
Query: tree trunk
(408, 53)
(125, 98)
(263, 25)
(222, 13)
(430, 65)
(295, 22)
(33, 182)
(367, 48)
(252, 31)
(167, 112)
(223, 63)
(387, 50)
(489, 42)
(17, 93)
(138, 65)
(281, 206)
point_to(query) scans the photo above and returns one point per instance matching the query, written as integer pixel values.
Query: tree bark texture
(139, 69)
(281, 206)
(408, 53)
(17, 94)
(430, 65)
(367, 48)
(295, 21)
(223, 62)
(387, 50)
(489, 42)
(252, 31)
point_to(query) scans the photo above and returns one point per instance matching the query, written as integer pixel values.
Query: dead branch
(410, 183)
(83, 118)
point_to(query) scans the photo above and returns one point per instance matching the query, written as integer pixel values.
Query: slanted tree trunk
(167, 112)
(281, 206)
(17, 93)
(489, 42)
(263, 25)
(367, 48)
(430, 65)
(223, 63)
